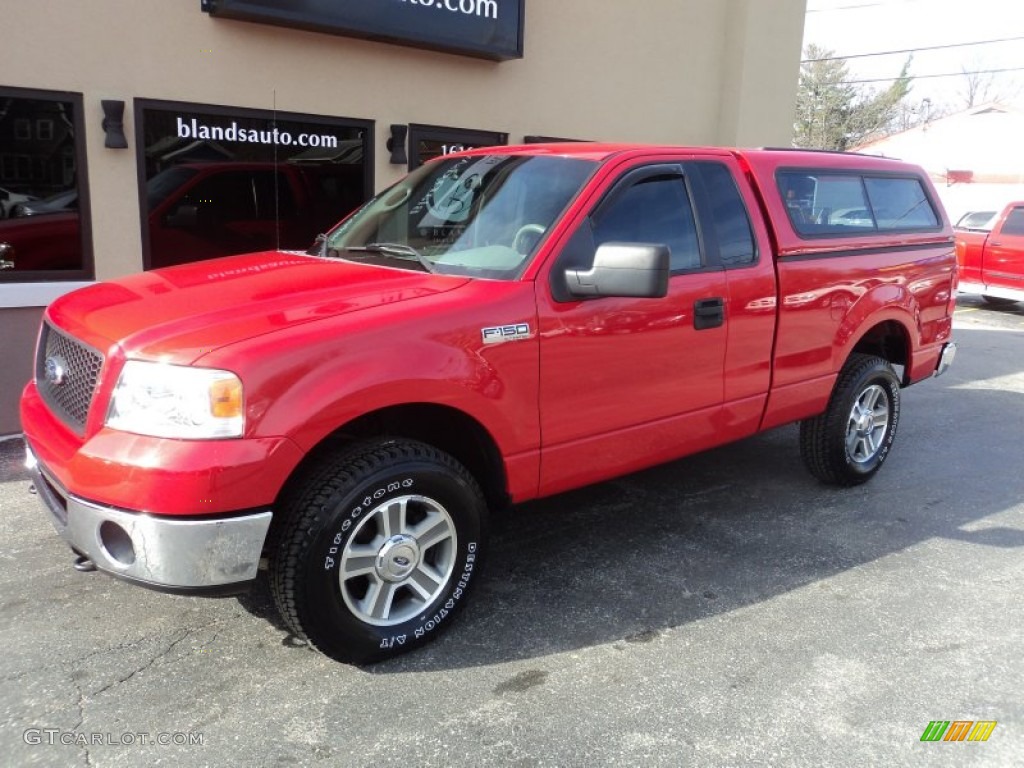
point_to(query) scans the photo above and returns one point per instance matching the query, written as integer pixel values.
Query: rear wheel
(379, 547)
(849, 442)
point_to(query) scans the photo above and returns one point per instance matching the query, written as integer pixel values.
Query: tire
(848, 443)
(378, 549)
(997, 301)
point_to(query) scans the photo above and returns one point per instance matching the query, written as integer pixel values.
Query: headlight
(177, 401)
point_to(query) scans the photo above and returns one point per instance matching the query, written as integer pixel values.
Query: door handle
(708, 313)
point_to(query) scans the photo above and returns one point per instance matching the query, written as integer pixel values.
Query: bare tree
(977, 87)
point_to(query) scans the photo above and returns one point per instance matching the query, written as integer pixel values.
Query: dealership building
(139, 134)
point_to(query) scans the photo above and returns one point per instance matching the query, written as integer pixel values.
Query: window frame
(86, 272)
(471, 138)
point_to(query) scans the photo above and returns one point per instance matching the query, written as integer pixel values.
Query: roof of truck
(779, 157)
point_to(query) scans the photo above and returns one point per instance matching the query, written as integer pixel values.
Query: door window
(653, 210)
(736, 247)
(1014, 222)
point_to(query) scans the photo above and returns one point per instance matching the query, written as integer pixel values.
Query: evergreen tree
(831, 113)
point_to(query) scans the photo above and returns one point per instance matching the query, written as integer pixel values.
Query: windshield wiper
(398, 250)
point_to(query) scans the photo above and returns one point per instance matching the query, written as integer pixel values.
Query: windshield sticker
(450, 199)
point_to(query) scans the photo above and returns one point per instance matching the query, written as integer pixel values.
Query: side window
(736, 245)
(825, 203)
(1014, 224)
(654, 210)
(900, 203)
(854, 203)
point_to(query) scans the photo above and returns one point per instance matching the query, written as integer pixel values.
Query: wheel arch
(443, 427)
(888, 339)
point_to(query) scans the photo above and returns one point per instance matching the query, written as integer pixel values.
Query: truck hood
(181, 313)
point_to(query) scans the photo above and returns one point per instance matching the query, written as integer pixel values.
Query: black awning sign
(490, 29)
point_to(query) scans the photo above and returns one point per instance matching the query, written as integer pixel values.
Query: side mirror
(638, 270)
(185, 216)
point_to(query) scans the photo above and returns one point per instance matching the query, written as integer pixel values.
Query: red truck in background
(991, 260)
(503, 324)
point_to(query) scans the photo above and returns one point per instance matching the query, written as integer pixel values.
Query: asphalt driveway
(722, 610)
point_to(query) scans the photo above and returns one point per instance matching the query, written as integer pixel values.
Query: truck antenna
(277, 191)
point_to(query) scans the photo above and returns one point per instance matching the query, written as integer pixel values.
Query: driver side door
(629, 382)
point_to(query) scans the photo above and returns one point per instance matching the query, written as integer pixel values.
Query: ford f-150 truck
(501, 325)
(991, 262)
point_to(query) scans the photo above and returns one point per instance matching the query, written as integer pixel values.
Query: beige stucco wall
(673, 71)
(679, 71)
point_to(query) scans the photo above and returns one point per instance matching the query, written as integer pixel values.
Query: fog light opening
(116, 543)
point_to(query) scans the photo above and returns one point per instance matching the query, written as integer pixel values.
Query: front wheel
(378, 549)
(849, 442)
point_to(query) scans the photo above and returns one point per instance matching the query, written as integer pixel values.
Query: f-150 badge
(505, 333)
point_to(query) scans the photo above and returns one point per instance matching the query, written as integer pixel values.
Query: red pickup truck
(991, 261)
(503, 324)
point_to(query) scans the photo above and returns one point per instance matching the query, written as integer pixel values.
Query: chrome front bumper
(218, 555)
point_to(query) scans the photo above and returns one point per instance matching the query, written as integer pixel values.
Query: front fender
(308, 381)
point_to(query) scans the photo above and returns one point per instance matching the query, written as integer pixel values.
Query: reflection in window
(900, 203)
(480, 216)
(729, 214)
(427, 142)
(39, 196)
(655, 210)
(852, 203)
(221, 183)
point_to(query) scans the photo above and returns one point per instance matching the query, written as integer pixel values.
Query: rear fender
(880, 305)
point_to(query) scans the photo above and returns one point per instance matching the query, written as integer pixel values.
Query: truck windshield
(477, 216)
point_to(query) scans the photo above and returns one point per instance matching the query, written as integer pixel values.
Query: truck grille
(66, 375)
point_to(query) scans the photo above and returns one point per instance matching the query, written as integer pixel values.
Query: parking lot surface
(723, 610)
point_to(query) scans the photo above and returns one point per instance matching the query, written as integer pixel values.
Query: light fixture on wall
(396, 144)
(113, 124)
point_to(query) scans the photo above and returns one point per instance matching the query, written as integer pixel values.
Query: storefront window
(43, 218)
(223, 181)
(429, 141)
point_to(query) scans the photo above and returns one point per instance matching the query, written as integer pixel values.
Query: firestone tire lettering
(332, 512)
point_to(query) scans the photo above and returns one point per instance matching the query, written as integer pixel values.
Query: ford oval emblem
(56, 370)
